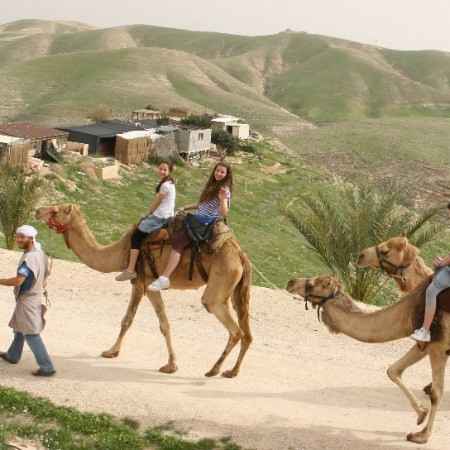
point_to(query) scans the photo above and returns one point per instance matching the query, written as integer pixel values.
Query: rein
(322, 301)
(393, 274)
(53, 222)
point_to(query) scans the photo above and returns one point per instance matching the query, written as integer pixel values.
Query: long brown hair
(168, 178)
(213, 186)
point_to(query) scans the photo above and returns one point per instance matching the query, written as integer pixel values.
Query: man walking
(27, 321)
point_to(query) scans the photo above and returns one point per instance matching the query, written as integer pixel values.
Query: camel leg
(222, 312)
(164, 326)
(244, 323)
(395, 372)
(137, 293)
(438, 360)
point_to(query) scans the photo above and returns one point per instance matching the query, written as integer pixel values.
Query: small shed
(135, 147)
(192, 140)
(233, 125)
(40, 138)
(14, 151)
(101, 137)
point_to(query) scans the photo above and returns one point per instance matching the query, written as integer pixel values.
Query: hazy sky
(396, 24)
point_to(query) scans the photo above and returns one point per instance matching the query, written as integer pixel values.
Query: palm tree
(339, 229)
(18, 197)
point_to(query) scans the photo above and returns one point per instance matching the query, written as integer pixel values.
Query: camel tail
(242, 297)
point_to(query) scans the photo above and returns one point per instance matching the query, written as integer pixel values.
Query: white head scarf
(29, 231)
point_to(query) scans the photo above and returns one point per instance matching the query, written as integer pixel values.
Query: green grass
(275, 247)
(59, 427)
(379, 140)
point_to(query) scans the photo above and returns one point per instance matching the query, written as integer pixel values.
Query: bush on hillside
(253, 146)
(200, 121)
(99, 114)
(224, 141)
(162, 121)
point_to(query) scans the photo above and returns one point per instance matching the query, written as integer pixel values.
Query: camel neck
(383, 325)
(106, 259)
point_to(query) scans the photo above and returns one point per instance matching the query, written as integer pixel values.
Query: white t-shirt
(167, 207)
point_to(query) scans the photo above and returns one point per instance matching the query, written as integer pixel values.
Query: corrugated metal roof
(104, 129)
(29, 130)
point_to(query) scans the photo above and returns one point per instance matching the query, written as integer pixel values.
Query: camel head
(395, 252)
(59, 217)
(315, 289)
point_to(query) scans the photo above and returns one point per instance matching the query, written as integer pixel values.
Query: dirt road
(300, 387)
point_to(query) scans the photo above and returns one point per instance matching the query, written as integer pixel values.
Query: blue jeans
(440, 282)
(36, 345)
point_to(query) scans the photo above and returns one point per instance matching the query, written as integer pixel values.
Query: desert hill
(318, 78)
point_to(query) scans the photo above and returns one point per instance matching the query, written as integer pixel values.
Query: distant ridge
(315, 78)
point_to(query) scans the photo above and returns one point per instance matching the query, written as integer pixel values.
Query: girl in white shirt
(159, 214)
(214, 201)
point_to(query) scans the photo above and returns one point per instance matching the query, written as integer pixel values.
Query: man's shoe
(421, 335)
(126, 275)
(41, 373)
(4, 356)
(159, 285)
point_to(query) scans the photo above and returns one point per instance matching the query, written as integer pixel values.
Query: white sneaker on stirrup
(159, 285)
(421, 335)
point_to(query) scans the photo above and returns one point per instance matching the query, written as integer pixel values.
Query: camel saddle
(220, 233)
(443, 300)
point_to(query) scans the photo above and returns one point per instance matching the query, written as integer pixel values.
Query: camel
(399, 259)
(341, 314)
(228, 269)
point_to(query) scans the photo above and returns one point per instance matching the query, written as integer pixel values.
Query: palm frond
(338, 230)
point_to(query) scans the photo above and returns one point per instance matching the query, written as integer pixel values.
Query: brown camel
(399, 259)
(341, 314)
(229, 276)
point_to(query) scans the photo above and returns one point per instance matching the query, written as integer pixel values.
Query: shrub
(162, 121)
(254, 147)
(99, 114)
(224, 141)
(200, 121)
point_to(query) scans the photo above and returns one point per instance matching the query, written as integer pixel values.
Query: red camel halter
(53, 222)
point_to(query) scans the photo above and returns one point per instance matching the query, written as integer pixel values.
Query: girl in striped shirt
(214, 201)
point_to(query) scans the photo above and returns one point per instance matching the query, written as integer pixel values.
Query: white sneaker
(421, 335)
(159, 285)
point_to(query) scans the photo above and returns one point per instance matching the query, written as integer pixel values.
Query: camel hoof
(229, 373)
(110, 354)
(421, 415)
(418, 438)
(212, 372)
(169, 368)
(427, 389)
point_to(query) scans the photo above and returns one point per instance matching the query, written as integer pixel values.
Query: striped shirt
(209, 211)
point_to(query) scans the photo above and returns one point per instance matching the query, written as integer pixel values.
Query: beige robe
(28, 316)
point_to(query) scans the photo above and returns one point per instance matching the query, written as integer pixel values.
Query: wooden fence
(15, 154)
